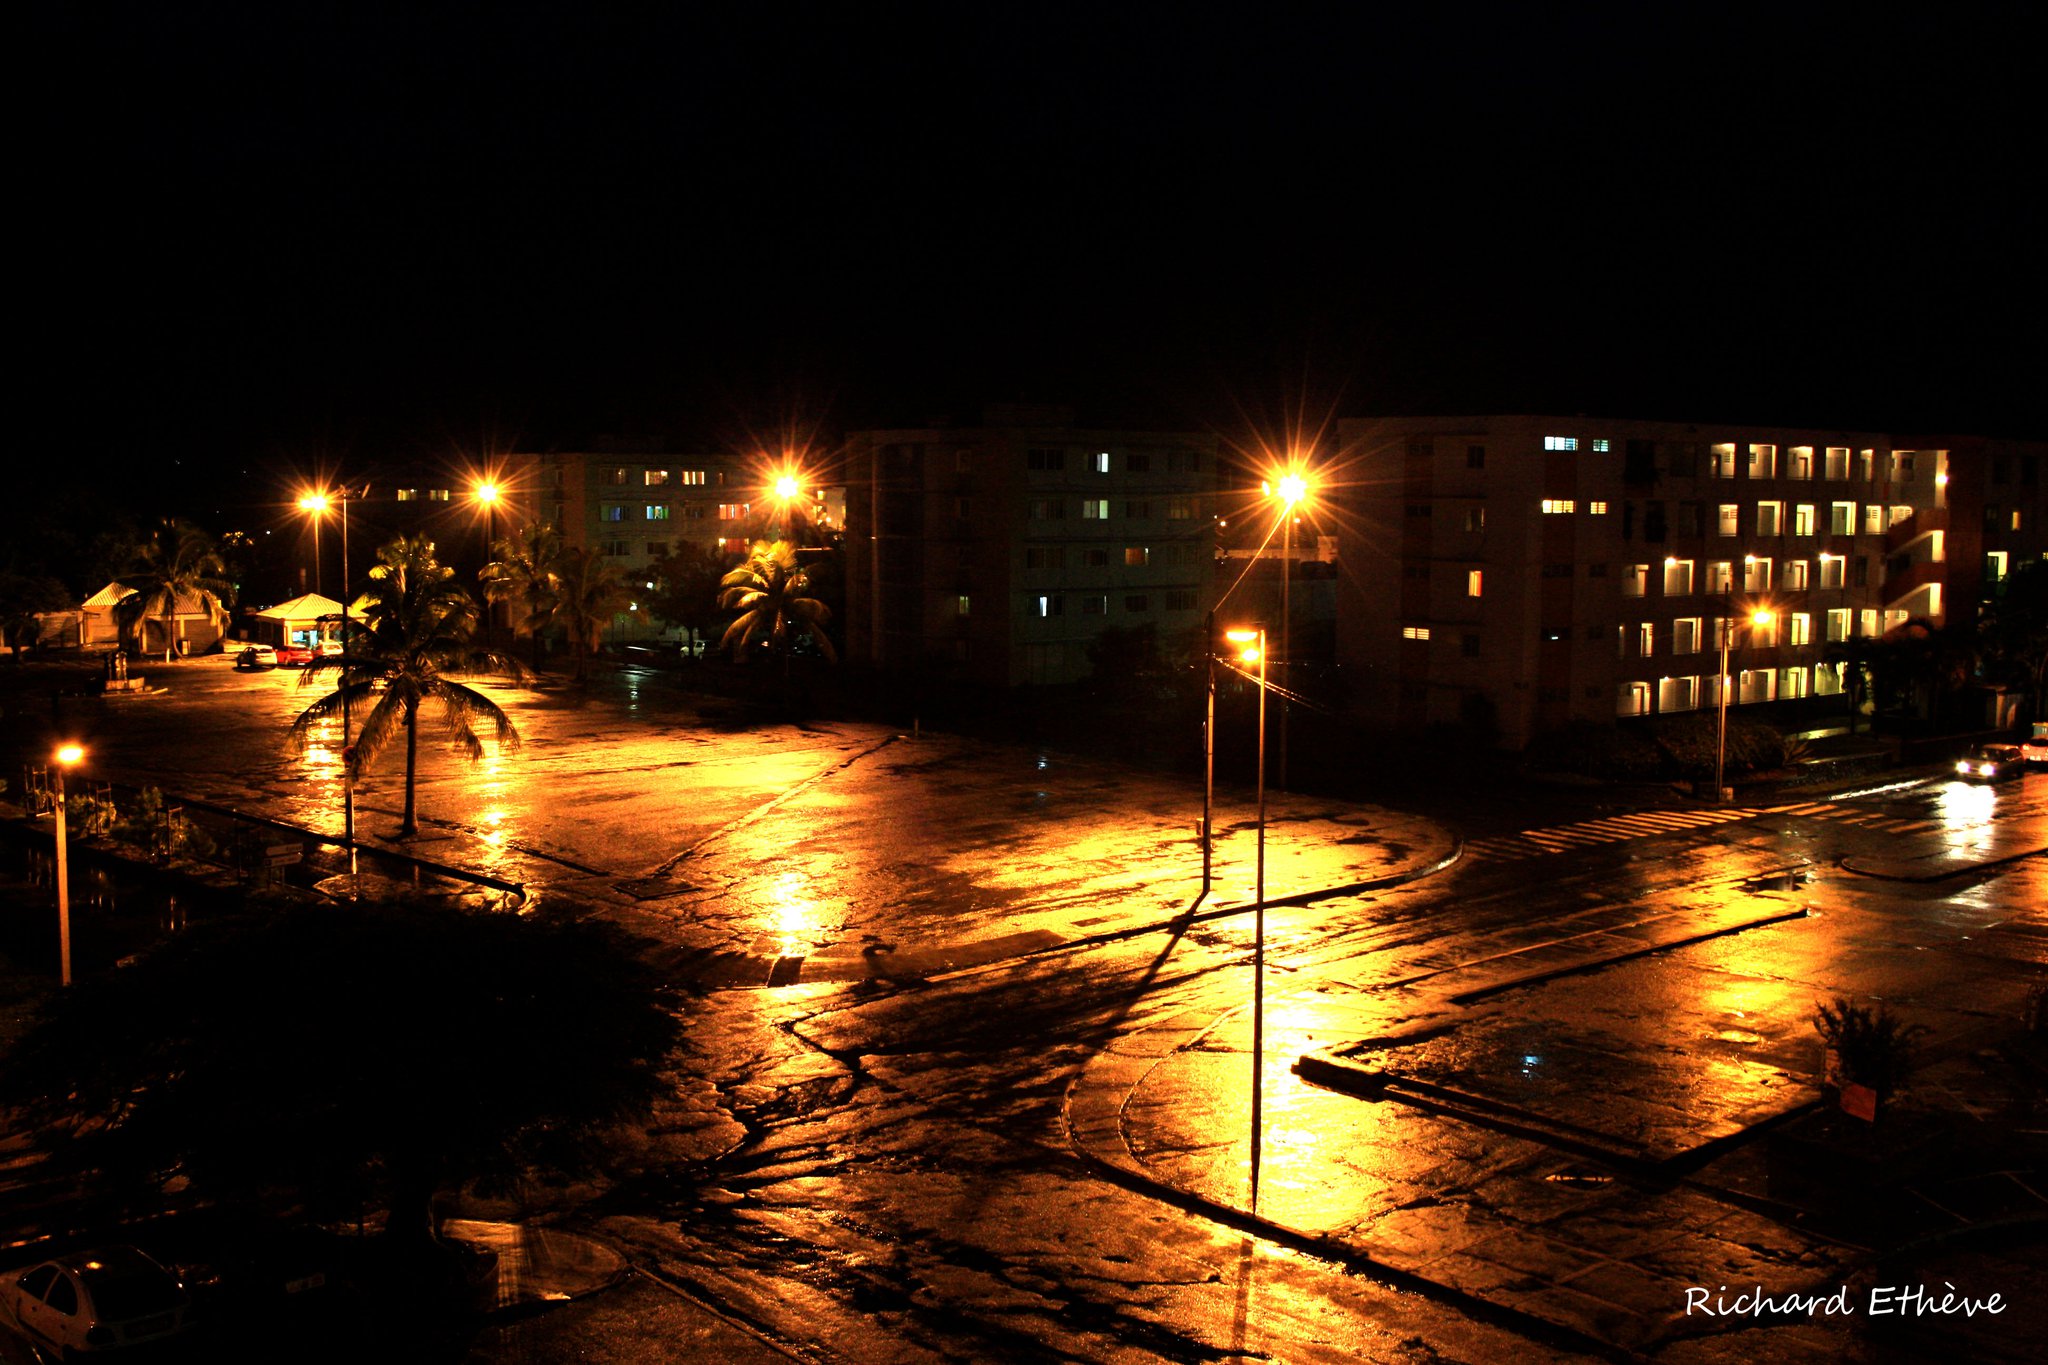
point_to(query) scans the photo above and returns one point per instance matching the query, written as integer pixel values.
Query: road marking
(1609, 829)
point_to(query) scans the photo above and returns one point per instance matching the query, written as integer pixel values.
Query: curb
(1846, 863)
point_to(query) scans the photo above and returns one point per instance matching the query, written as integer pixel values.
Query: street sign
(283, 855)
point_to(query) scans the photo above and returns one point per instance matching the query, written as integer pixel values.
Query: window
(1180, 509)
(1468, 646)
(656, 549)
(691, 478)
(1635, 580)
(1770, 518)
(1860, 576)
(1678, 694)
(1418, 509)
(1601, 445)
(1873, 519)
(1415, 632)
(1721, 577)
(1135, 511)
(693, 511)
(1827, 680)
(1685, 635)
(1792, 682)
(1472, 583)
(1099, 462)
(1756, 573)
(1842, 519)
(1838, 625)
(1722, 460)
(1831, 571)
(1557, 570)
(617, 549)
(1414, 571)
(732, 511)
(1180, 599)
(1048, 509)
(1475, 457)
(1677, 577)
(1837, 466)
(1475, 518)
(408, 494)
(1866, 625)
(1096, 558)
(612, 512)
(1598, 509)
(1802, 519)
(1044, 556)
(655, 478)
(1136, 557)
(1763, 462)
(656, 511)
(1137, 602)
(961, 604)
(1995, 562)
(1729, 522)
(1800, 632)
(1632, 699)
(1138, 462)
(1646, 638)
(1560, 443)
(1795, 577)
(1045, 459)
(1597, 569)
(1095, 509)
(1799, 462)
(437, 495)
(615, 477)
(1094, 604)
(1557, 506)
(1048, 604)
(1183, 461)
(963, 508)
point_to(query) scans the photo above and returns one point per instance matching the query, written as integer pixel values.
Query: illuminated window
(961, 604)
(1801, 629)
(1180, 509)
(1678, 694)
(1763, 462)
(1994, 566)
(1721, 576)
(1756, 573)
(612, 512)
(1136, 557)
(1838, 625)
(732, 511)
(1730, 521)
(1095, 509)
(1866, 623)
(1837, 462)
(1685, 635)
(1792, 682)
(1831, 571)
(1600, 445)
(1770, 518)
(1632, 699)
(2015, 518)
(1646, 638)
(655, 478)
(1635, 580)
(1722, 462)
(1560, 443)
(1472, 583)
(1048, 604)
(1415, 632)
(408, 494)
(1598, 509)
(1677, 577)
(1873, 519)
(1842, 519)
(1475, 518)
(1827, 680)
(1802, 519)
(1794, 577)
(1799, 462)
(1558, 506)
(692, 477)
(1099, 462)
(657, 512)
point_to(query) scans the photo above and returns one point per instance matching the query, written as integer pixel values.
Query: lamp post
(785, 491)
(487, 494)
(67, 756)
(1291, 490)
(348, 780)
(1759, 617)
(1254, 648)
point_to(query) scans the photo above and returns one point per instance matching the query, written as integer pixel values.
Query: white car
(2035, 749)
(94, 1301)
(256, 656)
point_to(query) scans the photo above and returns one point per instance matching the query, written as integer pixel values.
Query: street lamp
(314, 504)
(1253, 650)
(67, 756)
(487, 494)
(785, 492)
(1762, 616)
(1291, 488)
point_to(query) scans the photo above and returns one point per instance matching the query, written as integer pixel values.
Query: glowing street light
(1253, 650)
(67, 756)
(1290, 489)
(314, 505)
(1762, 616)
(487, 493)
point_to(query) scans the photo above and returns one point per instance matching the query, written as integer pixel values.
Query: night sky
(288, 236)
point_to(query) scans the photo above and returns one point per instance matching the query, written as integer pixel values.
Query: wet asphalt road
(887, 1172)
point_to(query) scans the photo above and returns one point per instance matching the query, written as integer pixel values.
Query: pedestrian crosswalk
(1535, 843)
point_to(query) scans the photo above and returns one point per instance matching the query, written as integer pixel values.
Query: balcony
(1924, 522)
(1899, 586)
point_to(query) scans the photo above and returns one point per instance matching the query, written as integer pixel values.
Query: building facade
(1546, 570)
(996, 554)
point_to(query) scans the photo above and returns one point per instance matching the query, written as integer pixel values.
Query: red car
(294, 656)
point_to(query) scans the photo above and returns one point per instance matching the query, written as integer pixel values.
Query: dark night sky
(296, 234)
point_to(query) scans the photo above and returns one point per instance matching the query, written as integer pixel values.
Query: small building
(305, 621)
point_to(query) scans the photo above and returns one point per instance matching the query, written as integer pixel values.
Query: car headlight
(1963, 768)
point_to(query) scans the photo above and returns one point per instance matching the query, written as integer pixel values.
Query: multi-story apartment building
(999, 552)
(635, 505)
(1556, 569)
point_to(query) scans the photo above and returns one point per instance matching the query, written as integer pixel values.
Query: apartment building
(1554, 569)
(996, 554)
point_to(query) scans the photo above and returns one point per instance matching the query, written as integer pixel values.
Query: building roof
(308, 607)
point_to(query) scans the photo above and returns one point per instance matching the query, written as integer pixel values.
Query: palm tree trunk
(412, 757)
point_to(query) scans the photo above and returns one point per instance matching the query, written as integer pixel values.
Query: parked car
(2035, 750)
(294, 656)
(1992, 763)
(256, 656)
(95, 1301)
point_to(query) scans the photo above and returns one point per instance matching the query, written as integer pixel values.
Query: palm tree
(528, 573)
(591, 594)
(417, 629)
(770, 593)
(178, 567)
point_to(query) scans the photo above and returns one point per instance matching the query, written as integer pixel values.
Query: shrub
(1875, 1048)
